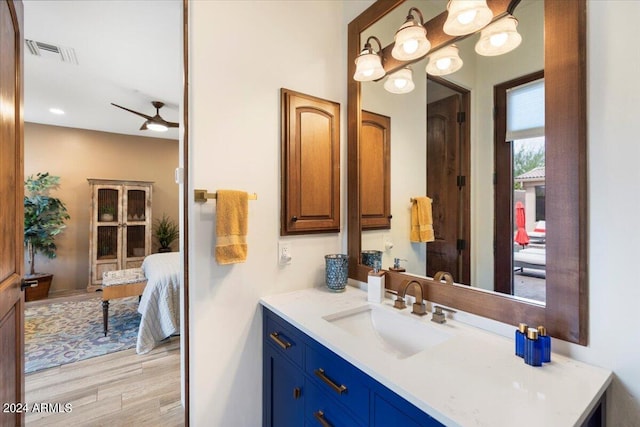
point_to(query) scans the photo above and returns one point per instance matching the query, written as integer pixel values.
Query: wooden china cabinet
(120, 226)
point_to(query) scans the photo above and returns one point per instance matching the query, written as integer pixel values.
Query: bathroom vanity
(334, 359)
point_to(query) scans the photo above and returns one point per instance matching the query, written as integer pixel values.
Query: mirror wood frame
(565, 313)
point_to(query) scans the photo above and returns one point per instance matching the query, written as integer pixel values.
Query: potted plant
(44, 218)
(107, 213)
(166, 231)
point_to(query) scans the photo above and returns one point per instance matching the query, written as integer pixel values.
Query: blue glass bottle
(532, 348)
(546, 344)
(521, 333)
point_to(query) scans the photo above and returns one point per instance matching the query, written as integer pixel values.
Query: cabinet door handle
(296, 393)
(282, 343)
(320, 417)
(335, 387)
(294, 218)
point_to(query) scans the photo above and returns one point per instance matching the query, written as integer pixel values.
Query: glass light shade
(466, 16)
(444, 61)
(411, 42)
(400, 82)
(368, 67)
(499, 37)
(158, 127)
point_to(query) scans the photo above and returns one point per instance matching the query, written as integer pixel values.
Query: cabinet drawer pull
(337, 388)
(296, 393)
(320, 417)
(282, 343)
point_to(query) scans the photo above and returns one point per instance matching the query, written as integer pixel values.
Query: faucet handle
(399, 303)
(419, 308)
(438, 314)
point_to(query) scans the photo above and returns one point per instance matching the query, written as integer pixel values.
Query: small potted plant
(44, 218)
(107, 213)
(166, 231)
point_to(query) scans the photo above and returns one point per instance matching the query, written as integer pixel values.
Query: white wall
(235, 143)
(242, 53)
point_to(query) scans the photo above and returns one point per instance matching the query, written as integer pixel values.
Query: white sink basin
(394, 333)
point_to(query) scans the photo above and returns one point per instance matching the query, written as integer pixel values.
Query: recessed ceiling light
(56, 111)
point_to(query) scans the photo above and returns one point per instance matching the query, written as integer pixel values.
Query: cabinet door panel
(375, 171)
(310, 164)
(283, 391)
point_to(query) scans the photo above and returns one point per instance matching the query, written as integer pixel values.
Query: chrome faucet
(419, 307)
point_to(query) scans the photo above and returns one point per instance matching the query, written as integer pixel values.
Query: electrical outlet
(284, 253)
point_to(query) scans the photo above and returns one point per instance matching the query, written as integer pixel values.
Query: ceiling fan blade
(131, 111)
(173, 125)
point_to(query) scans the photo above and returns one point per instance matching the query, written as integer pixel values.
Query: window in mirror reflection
(525, 137)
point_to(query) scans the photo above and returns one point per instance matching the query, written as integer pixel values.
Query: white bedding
(160, 303)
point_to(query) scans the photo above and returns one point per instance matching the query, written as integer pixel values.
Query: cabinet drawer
(284, 338)
(321, 411)
(338, 378)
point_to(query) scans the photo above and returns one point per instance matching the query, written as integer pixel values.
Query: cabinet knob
(294, 218)
(296, 393)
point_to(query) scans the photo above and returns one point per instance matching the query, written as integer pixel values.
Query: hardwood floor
(119, 389)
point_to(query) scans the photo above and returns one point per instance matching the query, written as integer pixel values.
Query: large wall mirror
(552, 49)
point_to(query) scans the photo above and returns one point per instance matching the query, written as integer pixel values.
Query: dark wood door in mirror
(310, 164)
(375, 170)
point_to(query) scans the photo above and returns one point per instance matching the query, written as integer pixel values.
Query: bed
(160, 302)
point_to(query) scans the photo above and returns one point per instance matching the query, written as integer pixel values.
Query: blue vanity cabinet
(306, 384)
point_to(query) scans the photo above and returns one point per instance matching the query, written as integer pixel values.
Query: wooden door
(11, 215)
(375, 171)
(443, 151)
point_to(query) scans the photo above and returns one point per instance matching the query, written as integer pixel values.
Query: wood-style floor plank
(119, 389)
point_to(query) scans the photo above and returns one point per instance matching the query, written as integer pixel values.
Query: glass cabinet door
(136, 201)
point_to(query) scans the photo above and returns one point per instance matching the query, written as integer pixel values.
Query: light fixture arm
(367, 45)
(410, 16)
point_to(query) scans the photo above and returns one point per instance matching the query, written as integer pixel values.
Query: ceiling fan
(156, 122)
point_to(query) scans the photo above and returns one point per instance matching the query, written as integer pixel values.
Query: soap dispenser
(375, 284)
(532, 348)
(521, 334)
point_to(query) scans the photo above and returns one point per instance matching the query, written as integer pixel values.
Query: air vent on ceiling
(47, 50)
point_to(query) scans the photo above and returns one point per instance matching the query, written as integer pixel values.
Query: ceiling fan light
(466, 16)
(400, 82)
(444, 61)
(499, 37)
(411, 39)
(157, 127)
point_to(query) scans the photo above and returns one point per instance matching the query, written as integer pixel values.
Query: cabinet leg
(105, 315)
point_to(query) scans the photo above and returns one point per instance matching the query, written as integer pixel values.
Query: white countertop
(472, 379)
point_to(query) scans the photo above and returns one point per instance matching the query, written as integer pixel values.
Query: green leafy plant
(166, 231)
(107, 210)
(44, 216)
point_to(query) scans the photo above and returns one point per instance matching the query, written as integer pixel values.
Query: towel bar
(202, 196)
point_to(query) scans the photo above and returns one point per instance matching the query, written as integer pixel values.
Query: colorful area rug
(58, 333)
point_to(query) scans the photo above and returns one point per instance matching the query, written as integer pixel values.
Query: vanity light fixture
(444, 61)
(369, 63)
(411, 38)
(466, 16)
(400, 82)
(499, 37)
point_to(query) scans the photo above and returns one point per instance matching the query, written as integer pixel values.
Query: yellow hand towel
(232, 211)
(421, 220)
